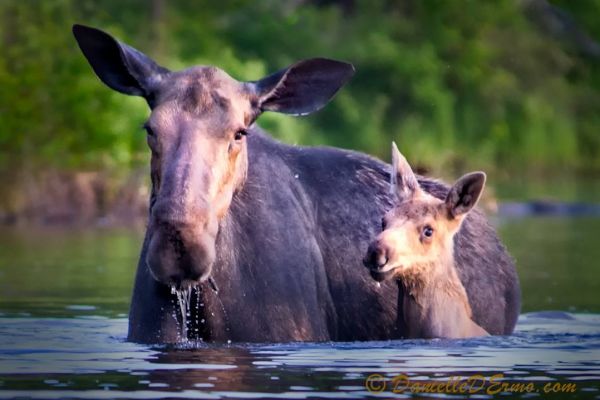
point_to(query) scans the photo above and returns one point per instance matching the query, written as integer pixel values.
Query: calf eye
(427, 231)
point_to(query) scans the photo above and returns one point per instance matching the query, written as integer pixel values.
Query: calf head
(418, 231)
(196, 133)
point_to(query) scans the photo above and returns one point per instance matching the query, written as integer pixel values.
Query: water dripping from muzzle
(184, 301)
(184, 297)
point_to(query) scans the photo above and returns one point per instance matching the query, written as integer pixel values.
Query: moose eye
(383, 225)
(427, 231)
(239, 135)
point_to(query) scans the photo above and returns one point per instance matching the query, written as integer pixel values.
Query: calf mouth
(380, 275)
(384, 272)
(380, 272)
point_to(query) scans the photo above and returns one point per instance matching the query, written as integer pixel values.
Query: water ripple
(89, 358)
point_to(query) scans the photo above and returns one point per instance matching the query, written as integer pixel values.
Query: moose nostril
(379, 257)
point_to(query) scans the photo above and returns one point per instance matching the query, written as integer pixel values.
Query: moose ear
(465, 193)
(304, 87)
(118, 65)
(403, 180)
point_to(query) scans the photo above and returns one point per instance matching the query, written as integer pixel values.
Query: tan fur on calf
(416, 247)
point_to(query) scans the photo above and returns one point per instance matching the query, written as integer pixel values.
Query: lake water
(64, 298)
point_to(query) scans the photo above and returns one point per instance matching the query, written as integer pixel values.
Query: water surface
(64, 297)
(89, 358)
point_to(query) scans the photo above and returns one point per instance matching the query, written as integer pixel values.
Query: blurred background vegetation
(507, 86)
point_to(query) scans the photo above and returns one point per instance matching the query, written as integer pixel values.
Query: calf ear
(119, 66)
(403, 182)
(304, 87)
(465, 193)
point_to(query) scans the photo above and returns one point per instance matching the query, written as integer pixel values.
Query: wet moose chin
(180, 262)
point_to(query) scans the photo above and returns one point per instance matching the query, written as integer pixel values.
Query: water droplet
(184, 301)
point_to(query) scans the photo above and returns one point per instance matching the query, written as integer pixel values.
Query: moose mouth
(381, 276)
(381, 272)
(176, 260)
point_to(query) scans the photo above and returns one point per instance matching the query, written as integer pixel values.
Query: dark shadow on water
(88, 358)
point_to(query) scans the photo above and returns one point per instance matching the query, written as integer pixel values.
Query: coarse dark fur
(290, 250)
(280, 229)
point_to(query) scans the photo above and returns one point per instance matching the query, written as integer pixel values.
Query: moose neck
(435, 301)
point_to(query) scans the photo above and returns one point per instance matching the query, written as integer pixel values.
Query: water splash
(182, 311)
(184, 296)
(197, 324)
(174, 312)
(216, 290)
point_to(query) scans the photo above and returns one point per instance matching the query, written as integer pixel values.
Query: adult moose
(280, 229)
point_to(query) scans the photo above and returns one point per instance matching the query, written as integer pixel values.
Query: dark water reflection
(88, 358)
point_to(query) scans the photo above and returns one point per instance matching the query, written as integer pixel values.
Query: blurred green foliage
(456, 83)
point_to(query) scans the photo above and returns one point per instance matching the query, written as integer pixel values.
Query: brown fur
(197, 162)
(435, 303)
(288, 241)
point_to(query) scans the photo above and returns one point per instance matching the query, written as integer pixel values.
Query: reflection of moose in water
(206, 369)
(417, 247)
(241, 369)
(268, 370)
(280, 229)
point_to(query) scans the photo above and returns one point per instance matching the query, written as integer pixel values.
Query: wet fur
(435, 303)
(289, 242)
(289, 254)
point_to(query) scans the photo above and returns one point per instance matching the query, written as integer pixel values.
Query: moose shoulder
(279, 230)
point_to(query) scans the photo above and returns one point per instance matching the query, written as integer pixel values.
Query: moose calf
(416, 247)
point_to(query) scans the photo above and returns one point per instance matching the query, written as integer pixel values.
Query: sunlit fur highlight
(435, 302)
